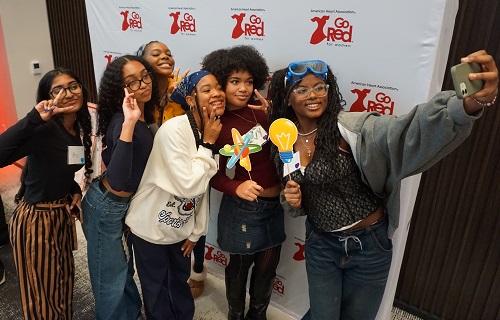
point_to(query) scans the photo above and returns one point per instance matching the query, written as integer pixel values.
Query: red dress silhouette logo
(254, 27)
(319, 34)
(358, 105)
(238, 28)
(299, 255)
(108, 57)
(174, 28)
(186, 24)
(340, 31)
(135, 22)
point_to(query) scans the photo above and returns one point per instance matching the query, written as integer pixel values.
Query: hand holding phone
(460, 75)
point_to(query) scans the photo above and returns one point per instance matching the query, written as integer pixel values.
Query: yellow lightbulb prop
(283, 133)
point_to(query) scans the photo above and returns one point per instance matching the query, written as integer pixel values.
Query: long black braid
(328, 134)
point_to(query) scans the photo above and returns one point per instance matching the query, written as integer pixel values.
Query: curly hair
(82, 124)
(328, 134)
(221, 63)
(111, 93)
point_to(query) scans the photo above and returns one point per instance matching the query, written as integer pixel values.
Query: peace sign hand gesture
(176, 81)
(48, 108)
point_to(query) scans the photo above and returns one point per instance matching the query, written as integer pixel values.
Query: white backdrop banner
(388, 56)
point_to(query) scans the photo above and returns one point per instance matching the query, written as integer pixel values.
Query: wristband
(210, 146)
(487, 104)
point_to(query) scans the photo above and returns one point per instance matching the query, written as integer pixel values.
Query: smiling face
(160, 58)
(313, 106)
(135, 71)
(239, 89)
(209, 94)
(68, 98)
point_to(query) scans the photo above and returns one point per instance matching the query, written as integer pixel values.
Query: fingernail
(466, 59)
(472, 76)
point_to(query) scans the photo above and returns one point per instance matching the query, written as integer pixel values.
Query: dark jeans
(163, 272)
(199, 255)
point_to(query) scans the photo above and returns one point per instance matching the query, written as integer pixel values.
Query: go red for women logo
(339, 29)
(213, 253)
(131, 21)
(253, 26)
(382, 104)
(184, 23)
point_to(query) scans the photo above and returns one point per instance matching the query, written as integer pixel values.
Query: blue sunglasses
(298, 69)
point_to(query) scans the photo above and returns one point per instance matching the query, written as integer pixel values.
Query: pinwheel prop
(241, 150)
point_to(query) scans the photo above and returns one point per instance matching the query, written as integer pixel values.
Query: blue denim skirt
(247, 227)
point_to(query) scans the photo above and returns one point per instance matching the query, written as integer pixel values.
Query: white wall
(27, 39)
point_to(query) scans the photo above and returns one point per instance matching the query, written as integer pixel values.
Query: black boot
(235, 294)
(260, 294)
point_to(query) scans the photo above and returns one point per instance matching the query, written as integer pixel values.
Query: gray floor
(210, 306)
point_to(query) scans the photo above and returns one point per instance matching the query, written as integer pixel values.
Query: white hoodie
(171, 203)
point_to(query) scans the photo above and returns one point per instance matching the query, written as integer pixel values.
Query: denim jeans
(347, 271)
(111, 274)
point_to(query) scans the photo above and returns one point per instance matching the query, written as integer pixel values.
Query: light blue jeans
(111, 274)
(347, 272)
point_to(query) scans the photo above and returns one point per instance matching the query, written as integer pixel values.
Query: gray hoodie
(388, 149)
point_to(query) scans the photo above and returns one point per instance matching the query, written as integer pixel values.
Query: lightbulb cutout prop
(283, 133)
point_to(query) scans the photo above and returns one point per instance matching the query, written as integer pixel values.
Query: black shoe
(2, 273)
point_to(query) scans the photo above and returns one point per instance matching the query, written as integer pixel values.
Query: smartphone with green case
(460, 75)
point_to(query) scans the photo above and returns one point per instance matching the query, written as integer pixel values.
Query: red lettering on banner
(382, 104)
(220, 258)
(341, 30)
(278, 286)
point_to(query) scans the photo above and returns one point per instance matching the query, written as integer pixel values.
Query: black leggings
(265, 261)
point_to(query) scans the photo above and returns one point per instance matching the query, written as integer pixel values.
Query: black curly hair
(328, 134)
(82, 124)
(221, 63)
(111, 93)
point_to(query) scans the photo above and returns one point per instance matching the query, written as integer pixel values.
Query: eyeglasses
(74, 88)
(298, 69)
(303, 93)
(136, 84)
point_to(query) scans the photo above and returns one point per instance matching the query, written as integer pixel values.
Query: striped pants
(42, 238)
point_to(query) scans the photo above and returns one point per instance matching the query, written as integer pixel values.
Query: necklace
(307, 133)
(309, 151)
(256, 122)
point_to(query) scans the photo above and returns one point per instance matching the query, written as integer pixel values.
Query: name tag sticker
(292, 166)
(76, 155)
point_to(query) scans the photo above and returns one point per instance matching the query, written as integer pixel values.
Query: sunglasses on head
(297, 70)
